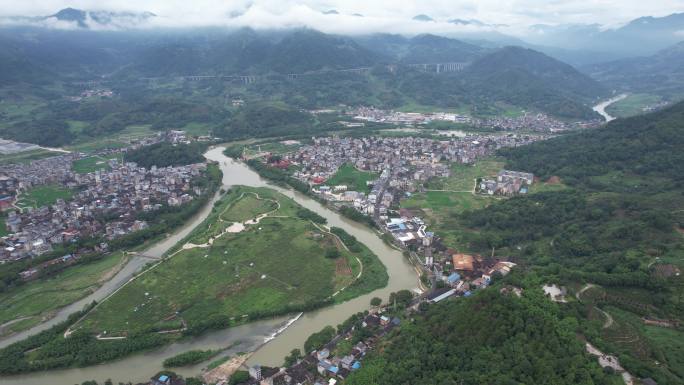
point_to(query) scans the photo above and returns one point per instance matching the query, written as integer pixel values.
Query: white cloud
(380, 16)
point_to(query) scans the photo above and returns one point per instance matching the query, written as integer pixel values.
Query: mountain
(424, 48)
(639, 37)
(101, 19)
(661, 73)
(437, 49)
(308, 50)
(331, 12)
(525, 77)
(246, 51)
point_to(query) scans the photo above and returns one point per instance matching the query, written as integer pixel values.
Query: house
(453, 278)
(443, 296)
(322, 354)
(161, 380)
(255, 372)
(463, 262)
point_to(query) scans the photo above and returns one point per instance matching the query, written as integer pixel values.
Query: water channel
(139, 367)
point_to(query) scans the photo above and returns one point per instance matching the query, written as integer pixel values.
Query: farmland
(29, 303)
(43, 196)
(94, 163)
(277, 264)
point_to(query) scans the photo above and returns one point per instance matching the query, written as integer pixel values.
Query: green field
(632, 105)
(247, 207)
(273, 267)
(27, 156)
(94, 163)
(36, 299)
(353, 178)
(43, 196)
(463, 176)
(440, 210)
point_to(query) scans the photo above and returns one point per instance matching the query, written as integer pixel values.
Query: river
(601, 107)
(139, 367)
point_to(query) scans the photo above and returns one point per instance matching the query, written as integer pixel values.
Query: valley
(341, 194)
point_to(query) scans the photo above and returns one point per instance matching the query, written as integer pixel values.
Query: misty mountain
(661, 73)
(249, 52)
(100, 19)
(642, 36)
(421, 49)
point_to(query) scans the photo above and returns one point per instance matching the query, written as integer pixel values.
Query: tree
(375, 302)
(294, 356)
(239, 377)
(402, 298)
(332, 253)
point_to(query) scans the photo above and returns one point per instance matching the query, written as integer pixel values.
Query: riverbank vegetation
(190, 357)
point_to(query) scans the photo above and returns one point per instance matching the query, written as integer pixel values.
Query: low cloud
(507, 16)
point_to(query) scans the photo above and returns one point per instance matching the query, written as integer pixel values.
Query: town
(105, 204)
(393, 169)
(527, 121)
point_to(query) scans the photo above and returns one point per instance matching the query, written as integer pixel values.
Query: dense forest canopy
(165, 154)
(490, 338)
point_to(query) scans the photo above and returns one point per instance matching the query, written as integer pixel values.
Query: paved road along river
(140, 367)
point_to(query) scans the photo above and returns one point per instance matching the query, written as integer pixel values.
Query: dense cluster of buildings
(93, 93)
(106, 204)
(527, 121)
(370, 114)
(402, 165)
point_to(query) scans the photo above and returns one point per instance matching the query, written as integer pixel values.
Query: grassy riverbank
(232, 273)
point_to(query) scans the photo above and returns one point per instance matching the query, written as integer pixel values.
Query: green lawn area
(39, 298)
(632, 105)
(43, 196)
(94, 163)
(117, 140)
(247, 207)
(26, 156)
(353, 178)
(276, 266)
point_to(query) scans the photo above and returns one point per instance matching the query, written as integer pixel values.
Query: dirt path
(609, 318)
(225, 370)
(585, 288)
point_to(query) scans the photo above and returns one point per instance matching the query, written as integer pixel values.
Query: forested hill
(616, 223)
(491, 338)
(647, 146)
(525, 77)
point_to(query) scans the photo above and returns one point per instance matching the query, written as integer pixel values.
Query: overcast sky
(379, 15)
